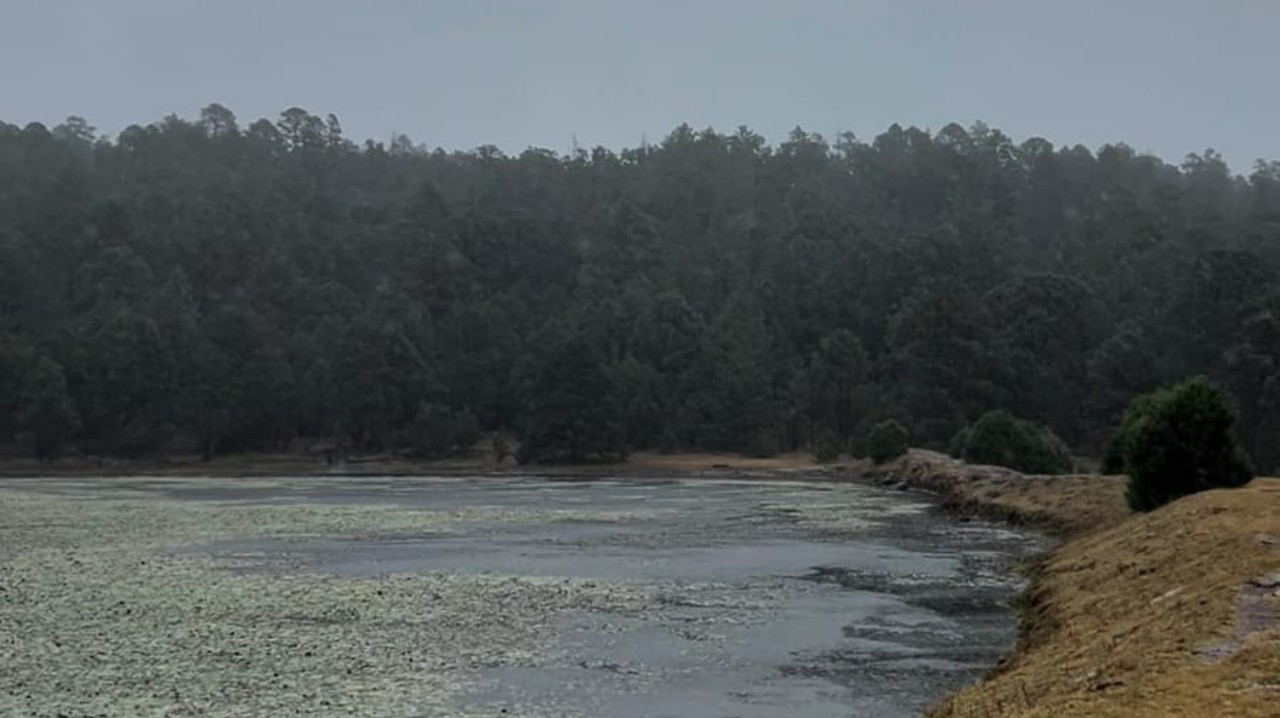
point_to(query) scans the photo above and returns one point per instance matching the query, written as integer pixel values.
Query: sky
(1165, 76)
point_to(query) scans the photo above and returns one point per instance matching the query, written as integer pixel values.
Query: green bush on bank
(1002, 439)
(886, 441)
(1178, 441)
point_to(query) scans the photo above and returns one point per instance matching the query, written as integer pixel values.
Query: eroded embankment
(1171, 613)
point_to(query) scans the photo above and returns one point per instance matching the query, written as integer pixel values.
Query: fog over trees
(221, 287)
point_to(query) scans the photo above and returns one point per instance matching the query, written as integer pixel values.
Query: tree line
(199, 284)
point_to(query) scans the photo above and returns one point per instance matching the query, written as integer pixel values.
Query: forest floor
(1171, 613)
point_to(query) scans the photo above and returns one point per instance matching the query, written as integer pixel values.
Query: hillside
(207, 285)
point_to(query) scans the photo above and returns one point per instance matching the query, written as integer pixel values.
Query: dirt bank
(1172, 613)
(1063, 505)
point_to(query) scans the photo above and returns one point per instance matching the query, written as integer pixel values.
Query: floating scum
(98, 615)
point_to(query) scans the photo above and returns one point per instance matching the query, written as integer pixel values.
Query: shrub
(1003, 439)
(886, 440)
(1179, 441)
(826, 448)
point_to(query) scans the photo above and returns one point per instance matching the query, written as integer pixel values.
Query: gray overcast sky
(1166, 76)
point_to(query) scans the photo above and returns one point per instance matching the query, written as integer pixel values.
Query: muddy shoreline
(1173, 612)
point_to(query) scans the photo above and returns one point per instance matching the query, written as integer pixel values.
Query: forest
(199, 285)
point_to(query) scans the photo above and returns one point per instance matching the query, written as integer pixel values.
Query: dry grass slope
(1159, 615)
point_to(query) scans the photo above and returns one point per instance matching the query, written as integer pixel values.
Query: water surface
(806, 600)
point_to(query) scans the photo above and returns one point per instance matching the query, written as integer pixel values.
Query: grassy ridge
(1158, 614)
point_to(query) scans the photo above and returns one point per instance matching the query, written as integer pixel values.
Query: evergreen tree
(234, 284)
(573, 414)
(44, 408)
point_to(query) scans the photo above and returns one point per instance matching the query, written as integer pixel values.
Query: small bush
(1179, 441)
(1002, 439)
(886, 441)
(826, 448)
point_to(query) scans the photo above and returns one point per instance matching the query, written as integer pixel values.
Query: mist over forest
(205, 285)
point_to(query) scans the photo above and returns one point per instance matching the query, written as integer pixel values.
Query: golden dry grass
(1134, 615)
(1068, 505)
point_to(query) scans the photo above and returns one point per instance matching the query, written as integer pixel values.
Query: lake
(765, 599)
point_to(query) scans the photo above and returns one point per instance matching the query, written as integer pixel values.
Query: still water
(798, 599)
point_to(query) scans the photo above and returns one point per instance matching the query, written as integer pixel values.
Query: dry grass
(1067, 505)
(1120, 620)
(1135, 615)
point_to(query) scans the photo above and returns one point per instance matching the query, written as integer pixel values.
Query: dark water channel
(777, 599)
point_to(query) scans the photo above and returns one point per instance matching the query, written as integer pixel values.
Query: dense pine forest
(197, 285)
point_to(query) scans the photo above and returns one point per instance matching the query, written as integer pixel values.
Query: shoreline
(1175, 612)
(1062, 506)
